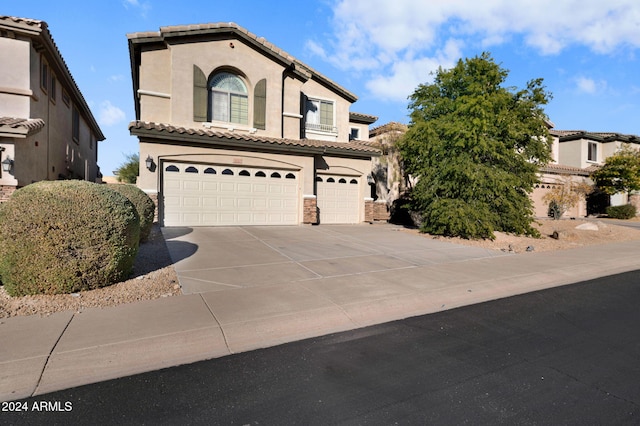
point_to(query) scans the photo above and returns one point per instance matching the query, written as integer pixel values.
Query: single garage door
(210, 195)
(338, 199)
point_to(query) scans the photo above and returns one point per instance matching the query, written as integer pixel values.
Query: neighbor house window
(228, 100)
(66, 98)
(52, 93)
(320, 115)
(592, 152)
(44, 75)
(75, 125)
(354, 134)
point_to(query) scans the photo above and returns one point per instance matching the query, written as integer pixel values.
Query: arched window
(353, 181)
(228, 101)
(275, 175)
(244, 173)
(191, 169)
(331, 180)
(319, 179)
(210, 171)
(172, 168)
(227, 172)
(260, 174)
(290, 176)
(342, 180)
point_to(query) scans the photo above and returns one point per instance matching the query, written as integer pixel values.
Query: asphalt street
(568, 355)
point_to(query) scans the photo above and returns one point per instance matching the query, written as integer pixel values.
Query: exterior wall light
(7, 164)
(370, 179)
(149, 162)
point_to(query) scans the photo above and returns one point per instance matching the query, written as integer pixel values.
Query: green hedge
(626, 211)
(66, 236)
(144, 205)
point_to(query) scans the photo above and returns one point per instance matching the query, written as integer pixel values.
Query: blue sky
(585, 50)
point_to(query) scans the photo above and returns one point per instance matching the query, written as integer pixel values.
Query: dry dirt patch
(569, 236)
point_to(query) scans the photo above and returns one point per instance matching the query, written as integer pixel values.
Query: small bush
(626, 211)
(66, 236)
(144, 206)
(452, 217)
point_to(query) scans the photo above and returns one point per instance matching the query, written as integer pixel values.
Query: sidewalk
(39, 355)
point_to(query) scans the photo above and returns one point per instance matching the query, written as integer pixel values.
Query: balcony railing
(325, 128)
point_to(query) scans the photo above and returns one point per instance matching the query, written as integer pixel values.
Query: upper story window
(592, 151)
(354, 134)
(320, 115)
(229, 99)
(225, 97)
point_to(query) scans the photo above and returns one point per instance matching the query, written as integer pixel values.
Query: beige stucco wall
(166, 88)
(14, 81)
(49, 152)
(547, 181)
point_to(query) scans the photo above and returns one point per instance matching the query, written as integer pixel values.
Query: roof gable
(203, 32)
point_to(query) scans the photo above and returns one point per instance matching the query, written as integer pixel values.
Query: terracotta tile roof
(358, 117)
(569, 135)
(567, 170)
(388, 127)
(21, 126)
(212, 135)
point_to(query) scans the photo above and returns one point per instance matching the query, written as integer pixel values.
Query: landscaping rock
(588, 226)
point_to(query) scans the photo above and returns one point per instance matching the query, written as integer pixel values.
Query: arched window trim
(228, 98)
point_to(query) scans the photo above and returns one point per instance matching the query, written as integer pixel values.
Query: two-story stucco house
(234, 131)
(577, 154)
(47, 130)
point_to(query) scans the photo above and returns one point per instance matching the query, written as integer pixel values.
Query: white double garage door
(212, 195)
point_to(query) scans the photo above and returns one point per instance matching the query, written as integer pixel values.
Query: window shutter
(260, 105)
(199, 95)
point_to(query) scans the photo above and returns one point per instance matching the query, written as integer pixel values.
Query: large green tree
(620, 172)
(476, 147)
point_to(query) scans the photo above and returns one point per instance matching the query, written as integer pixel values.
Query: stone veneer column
(310, 210)
(380, 210)
(369, 209)
(6, 191)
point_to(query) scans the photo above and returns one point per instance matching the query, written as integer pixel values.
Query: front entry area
(195, 194)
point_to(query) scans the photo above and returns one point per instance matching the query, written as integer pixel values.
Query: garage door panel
(338, 202)
(210, 197)
(227, 187)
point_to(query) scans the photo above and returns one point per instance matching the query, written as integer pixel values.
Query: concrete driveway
(221, 258)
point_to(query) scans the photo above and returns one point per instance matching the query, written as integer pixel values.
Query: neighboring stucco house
(47, 130)
(234, 131)
(575, 155)
(578, 153)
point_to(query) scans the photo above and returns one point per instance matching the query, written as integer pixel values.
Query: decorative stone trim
(380, 211)
(6, 191)
(310, 210)
(369, 210)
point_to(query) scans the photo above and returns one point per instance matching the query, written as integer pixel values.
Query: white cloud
(115, 78)
(406, 75)
(398, 39)
(589, 85)
(144, 7)
(109, 114)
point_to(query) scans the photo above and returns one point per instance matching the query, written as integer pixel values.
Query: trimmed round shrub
(144, 205)
(626, 211)
(66, 236)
